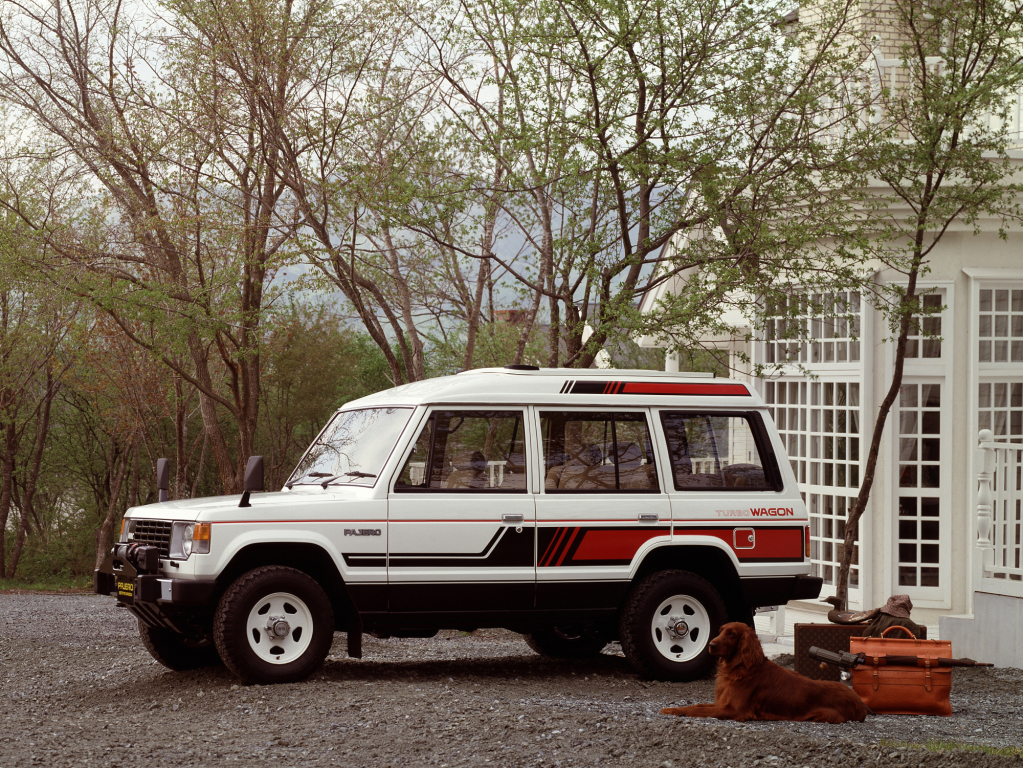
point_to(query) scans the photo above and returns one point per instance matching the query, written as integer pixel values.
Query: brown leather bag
(903, 690)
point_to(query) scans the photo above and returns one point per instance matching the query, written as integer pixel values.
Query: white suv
(574, 506)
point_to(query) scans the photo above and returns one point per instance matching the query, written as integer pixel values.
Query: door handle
(511, 518)
(652, 517)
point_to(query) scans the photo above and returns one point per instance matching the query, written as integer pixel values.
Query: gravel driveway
(79, 689)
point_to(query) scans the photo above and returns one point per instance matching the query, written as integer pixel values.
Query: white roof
(569, 387)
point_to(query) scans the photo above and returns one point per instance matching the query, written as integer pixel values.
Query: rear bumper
(119, 579)
(780, 590)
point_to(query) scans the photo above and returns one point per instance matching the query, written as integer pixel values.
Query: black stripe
(512, 550)
(490, 544)
(589, 387)
(375, 560)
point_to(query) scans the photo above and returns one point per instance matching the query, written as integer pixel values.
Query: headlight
(187, 538)
(127, 529)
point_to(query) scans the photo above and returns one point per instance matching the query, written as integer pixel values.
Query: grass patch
(934, 745)
(53, 584)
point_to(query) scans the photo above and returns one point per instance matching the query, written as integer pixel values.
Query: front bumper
(119, 578)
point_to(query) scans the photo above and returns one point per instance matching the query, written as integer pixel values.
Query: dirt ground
(79, 689)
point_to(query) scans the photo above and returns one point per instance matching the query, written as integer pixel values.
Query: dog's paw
(673, 711)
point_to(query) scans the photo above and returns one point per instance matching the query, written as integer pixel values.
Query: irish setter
(749, 687)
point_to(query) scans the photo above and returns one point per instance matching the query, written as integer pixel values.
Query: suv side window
(467, 451)
(597, 452)
(717, 450)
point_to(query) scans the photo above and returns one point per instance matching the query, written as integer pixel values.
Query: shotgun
(847, 660)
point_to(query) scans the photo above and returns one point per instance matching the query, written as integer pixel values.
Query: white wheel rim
(280, 628)
(680, 628)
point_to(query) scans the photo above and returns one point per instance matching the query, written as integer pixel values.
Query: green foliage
(314, 363)
(495, 347)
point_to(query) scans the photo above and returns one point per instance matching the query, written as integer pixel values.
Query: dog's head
(737, 643)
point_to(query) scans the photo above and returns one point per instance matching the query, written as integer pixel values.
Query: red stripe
(554, 544)
(653, 388)
(613, 545)
(568, 546)
(769, 542)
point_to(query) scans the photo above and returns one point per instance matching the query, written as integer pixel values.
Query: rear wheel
(667, 624)
(565, 643)
(177, 652)
(273, 625)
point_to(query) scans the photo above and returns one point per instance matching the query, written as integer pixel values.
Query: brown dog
(749, 687)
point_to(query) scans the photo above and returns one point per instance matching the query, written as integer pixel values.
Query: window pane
(713, 451)
(604, 451)
(352, 448)
(471, 451)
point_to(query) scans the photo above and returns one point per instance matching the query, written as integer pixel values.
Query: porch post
(985, 554)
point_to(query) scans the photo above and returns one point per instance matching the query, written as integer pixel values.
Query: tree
(33, 326)
(939, 160)
(184, 224)
(621, 128)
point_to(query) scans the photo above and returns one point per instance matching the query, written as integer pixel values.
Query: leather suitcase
(903, 689)
(830, 637)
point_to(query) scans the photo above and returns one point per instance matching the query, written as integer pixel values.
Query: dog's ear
(750, 652)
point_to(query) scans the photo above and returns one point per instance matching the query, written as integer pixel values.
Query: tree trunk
(19, 544)
(31, 478)
(6, 488)
(907, 308)
(103, 539)
(208, 408)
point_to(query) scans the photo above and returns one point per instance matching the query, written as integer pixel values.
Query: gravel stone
(78, 688)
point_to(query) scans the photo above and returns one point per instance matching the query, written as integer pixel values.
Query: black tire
(565, 643)
(175, 651)
(304, 614)
(690, 606)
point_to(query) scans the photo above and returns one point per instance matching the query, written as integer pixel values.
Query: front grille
(156, 533)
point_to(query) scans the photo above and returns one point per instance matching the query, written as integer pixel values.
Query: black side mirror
(253, 479)
(162, 478)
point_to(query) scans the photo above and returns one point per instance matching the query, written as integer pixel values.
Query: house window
(919, 491)
(1000, 409)
(924, 342)
(819, 423)
(819, 328)
(1001, 326)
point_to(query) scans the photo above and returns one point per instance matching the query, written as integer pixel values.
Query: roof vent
(521, 367)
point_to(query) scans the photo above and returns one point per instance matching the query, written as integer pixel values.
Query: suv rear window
(713, 450)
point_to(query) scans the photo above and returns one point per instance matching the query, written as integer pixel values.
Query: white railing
(999, 561)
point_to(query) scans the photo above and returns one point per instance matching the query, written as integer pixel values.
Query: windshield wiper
(313, 474)
(332, 478)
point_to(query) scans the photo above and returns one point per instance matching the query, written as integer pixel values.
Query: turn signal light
(202, 533)
(806, 540)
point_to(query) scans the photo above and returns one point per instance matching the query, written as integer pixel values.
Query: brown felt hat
(898, 605)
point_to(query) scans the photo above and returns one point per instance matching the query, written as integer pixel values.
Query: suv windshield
(352, 448)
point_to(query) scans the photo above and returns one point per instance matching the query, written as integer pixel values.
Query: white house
(935, 529)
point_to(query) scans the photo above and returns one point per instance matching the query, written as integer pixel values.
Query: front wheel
(565, 643)
(667, 624)
(273, 625)
(175, 651)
